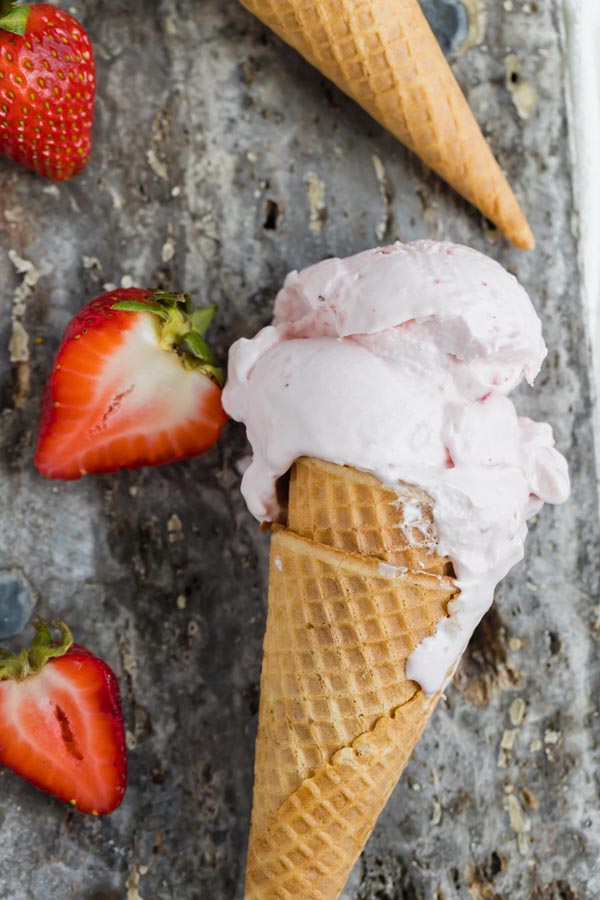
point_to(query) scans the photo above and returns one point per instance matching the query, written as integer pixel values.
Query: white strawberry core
(140, 377)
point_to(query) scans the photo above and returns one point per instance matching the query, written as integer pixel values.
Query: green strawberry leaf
(197, 346)
(202, 317)
(173, 301)
(137, 306)
(14, 18)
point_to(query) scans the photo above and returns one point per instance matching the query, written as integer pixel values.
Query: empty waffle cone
(351, 510)
(338, 718)
(383, 54)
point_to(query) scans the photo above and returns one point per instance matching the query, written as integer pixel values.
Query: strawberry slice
(134, 384)
(61, 725)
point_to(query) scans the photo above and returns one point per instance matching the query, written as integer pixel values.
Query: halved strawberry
(134, 384)
(61, 725)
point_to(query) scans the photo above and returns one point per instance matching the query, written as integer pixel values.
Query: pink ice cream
(398, 361)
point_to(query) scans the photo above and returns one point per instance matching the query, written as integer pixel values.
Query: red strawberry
(134, 384)
(47, 86)
(61, 725)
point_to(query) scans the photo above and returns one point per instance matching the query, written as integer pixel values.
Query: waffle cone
(383, 54)
(338, 718)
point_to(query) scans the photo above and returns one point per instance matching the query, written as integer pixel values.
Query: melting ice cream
(399, 361)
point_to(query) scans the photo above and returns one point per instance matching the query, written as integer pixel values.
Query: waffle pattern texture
(353, 511)
(383, 54)
(338, 718)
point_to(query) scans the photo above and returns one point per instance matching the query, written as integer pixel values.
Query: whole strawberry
(61, 724)
(47, 87)
(134, 384)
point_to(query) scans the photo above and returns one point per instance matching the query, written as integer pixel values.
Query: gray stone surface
(222, 161)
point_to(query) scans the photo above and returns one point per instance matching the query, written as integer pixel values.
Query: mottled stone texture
(222, 161)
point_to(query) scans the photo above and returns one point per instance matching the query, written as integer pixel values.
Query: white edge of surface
(582, 25)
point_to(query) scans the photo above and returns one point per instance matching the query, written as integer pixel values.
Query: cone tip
(523, 238)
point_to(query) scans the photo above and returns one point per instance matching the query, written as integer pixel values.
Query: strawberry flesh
(47, 89)
(116, 399)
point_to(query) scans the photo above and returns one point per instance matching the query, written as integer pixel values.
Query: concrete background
(221, 161)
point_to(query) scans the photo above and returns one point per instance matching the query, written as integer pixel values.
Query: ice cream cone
(383, 54)
(338, 718)
(396, 360)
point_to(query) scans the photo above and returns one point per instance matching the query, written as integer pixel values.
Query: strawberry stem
(181, 328)
(13, 18)
(17, 666)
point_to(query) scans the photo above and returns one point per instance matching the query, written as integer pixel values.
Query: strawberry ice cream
(398, 361)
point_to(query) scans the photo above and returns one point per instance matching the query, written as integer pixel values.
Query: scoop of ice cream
(399, 361)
